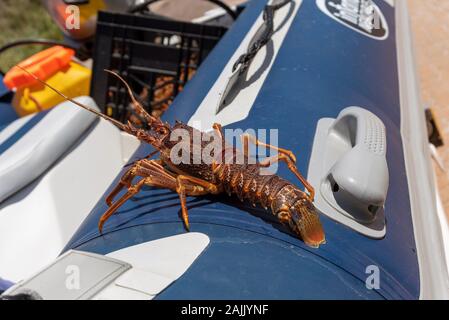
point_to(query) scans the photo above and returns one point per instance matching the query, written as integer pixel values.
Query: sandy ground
(430, 23)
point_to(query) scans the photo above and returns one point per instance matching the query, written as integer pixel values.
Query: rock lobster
(286, 201)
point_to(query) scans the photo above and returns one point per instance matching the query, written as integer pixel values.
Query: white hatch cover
(137, 272)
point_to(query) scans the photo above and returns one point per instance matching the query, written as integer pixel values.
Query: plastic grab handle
(361, 171)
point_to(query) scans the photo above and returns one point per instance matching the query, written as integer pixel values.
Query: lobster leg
(197, 187)
(153, 174)
(125, 180)
(292, 167)
(219, 131)
(284, 155)
(132, 172)
(246, 138)
(131, 192)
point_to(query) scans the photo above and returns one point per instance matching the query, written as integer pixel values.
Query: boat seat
(30, 145)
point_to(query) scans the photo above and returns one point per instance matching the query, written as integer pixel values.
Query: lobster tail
(305, 221)
(294, 208)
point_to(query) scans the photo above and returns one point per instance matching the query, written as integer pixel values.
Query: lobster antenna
(136, 103)
(99, 114)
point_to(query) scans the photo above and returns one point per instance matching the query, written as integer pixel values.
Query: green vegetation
(24, 19)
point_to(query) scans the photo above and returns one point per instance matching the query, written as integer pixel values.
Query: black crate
(156, 56)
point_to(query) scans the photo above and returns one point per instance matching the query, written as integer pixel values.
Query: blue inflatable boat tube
(319, 65)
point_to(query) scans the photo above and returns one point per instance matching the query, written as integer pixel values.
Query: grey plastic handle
(360, 174)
